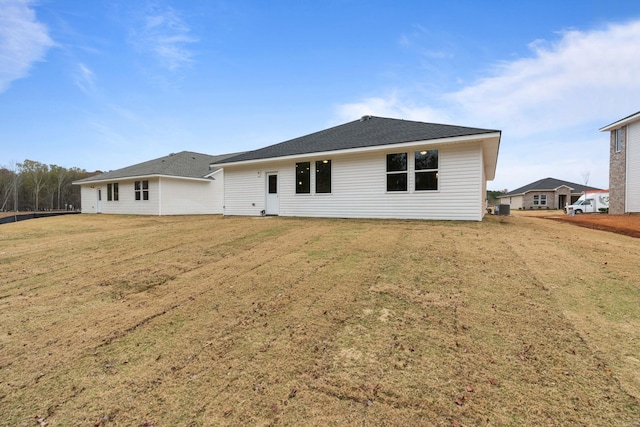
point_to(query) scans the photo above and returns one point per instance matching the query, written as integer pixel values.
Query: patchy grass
(117, 320)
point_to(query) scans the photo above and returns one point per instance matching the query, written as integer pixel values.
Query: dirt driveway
(628, 224)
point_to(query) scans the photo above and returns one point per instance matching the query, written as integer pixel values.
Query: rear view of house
(624, 164)
(178, 184)
(373, 167)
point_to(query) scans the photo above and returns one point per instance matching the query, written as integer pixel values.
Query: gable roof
(549, 184)
(184, 164)
(619, 123)
(368, 131)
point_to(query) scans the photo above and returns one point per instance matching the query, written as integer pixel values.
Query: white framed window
(323, 176)
(112, 192)
(141, 190)
(426, 170)
(303, 178)
(539, 199)
(619, 138)
(397, 172)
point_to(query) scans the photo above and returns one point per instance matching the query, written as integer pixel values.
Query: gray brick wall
(617, 174)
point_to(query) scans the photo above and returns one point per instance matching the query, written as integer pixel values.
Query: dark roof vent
(365, 118)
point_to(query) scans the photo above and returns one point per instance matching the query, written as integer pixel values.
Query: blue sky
(106, 84)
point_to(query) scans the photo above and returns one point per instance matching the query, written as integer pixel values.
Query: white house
(624, 164)
(178, 184)
(373, 167)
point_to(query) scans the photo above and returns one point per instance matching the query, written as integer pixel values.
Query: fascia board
(439, 141)
(211, 174)
(620, 123)
(134, 177)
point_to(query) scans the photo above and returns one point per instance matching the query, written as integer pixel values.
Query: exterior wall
(617, 175)
(527, 200)
(167, 196)
(632, 192)
(515, 202)
(126, 203)
(190, 197)
(88, 199)
(358, 185)
(563, 191)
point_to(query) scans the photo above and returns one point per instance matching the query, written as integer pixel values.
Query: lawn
(203, 320)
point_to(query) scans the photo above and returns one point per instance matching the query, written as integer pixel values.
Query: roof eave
(622, 122)
(490, 150)
(133, 177)
(448, 140)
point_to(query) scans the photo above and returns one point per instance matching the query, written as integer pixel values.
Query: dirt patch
(628, 224)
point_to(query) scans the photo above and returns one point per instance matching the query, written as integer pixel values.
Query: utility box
(503, 210)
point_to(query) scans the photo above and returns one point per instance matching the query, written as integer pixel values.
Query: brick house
(547, 193)
(624, 164)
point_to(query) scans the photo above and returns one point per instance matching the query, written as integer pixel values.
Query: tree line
(34, 186)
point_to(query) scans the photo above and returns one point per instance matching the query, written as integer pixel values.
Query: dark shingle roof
(549, 184)
(185, 164)
(368, 131)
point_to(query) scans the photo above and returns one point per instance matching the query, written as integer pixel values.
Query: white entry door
(99, 201)
(272, 202)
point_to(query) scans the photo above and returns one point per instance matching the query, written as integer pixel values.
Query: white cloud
(549, 105)
(583, 77)
(85, 78)
(165, 34)
(392, 105)
(23, 40)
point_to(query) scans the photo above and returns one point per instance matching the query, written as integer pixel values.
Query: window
(303, 178)
(323, 176)
(112, 192)
(142, 190)
(540, 199)
(273, 184)
(619, 137)
(397, 172)
(426, 164)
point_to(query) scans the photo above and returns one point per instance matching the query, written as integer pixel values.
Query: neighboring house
(178, 184)
(624, 164)
(373, 167)
(547, 193)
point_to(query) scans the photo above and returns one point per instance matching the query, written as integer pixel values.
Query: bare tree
(6, 187)
(60, 176)
(586, 174)
(35, 174)
(17, 178)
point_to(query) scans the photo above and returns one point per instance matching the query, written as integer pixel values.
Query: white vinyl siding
(167, 196)
(88, 198)
(190, 197)
(245, 188)
(359, 187)
(127, 204)
(633, 168)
